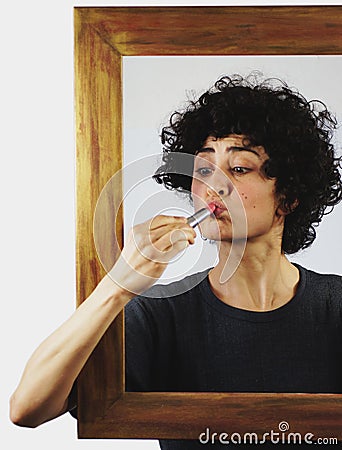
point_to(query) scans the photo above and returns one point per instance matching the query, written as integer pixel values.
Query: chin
(217, 230)
(217, 236)
(224, 236)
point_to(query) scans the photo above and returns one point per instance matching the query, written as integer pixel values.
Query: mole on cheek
(253, 206)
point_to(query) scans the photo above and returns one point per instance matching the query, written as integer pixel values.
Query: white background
(37, 189)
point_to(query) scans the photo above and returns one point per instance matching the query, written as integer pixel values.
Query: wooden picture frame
(102, 37)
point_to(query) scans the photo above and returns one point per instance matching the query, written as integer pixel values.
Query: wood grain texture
(219, 30)
(102, 37)
(98, 100)
(186, 415)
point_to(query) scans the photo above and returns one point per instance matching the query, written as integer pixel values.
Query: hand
(149, 248)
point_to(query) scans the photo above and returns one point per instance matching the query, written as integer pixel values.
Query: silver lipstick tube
(198, 217)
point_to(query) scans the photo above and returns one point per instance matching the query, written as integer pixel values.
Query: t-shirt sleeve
(72, 401)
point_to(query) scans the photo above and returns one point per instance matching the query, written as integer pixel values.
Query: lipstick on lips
(200, 215)
(219, 207)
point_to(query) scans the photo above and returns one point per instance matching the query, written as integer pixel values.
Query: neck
(264, 278)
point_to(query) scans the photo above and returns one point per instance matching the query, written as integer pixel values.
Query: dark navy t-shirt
(195, 342)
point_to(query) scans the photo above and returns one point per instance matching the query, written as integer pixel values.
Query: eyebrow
(234, 148)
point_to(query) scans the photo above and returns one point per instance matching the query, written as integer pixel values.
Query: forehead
(234, 143)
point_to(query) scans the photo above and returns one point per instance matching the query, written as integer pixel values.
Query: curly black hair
(295, 133)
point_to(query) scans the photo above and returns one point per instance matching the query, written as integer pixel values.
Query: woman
(271, 326)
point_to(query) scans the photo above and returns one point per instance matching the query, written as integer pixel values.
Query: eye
(240, 170)
(204, 171)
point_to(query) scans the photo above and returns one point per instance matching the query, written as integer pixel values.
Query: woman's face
(224, 167)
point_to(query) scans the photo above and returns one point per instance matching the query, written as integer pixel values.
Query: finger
(161, 220)
(167, 241)
(176, 248)
(157, 250)
(143, 238)
(158, 233)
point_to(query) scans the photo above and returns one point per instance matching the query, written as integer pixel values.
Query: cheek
(249, 198)
(256, 201)
(198, 192)
(197, 189)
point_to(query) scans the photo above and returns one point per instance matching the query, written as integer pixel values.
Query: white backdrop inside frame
(154, 87)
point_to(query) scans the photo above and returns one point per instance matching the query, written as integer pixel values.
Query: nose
(220, 185)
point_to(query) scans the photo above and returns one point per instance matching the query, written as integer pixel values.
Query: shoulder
(173, 297)
(323, 286)
(332, 280)
(177, 288)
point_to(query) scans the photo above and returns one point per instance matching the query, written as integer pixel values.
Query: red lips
(216, 207)
(212, 207)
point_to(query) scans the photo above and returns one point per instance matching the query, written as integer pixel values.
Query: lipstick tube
(198, 217)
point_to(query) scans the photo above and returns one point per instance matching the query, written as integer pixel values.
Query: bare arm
(43, 391)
